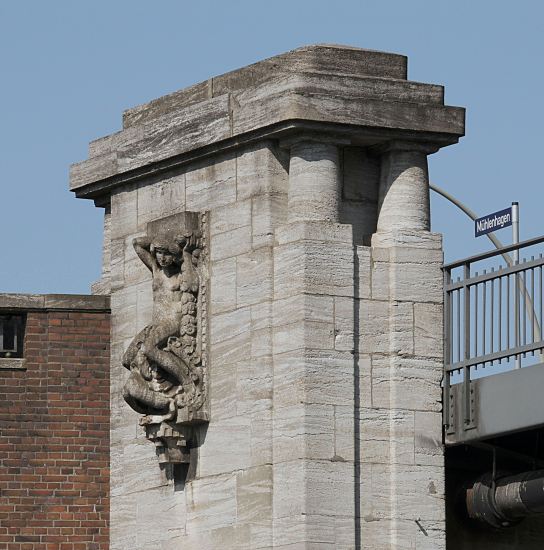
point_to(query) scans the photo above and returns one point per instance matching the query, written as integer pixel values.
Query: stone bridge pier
(270, 228)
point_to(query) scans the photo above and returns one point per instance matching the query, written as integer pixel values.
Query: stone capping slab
(54, 302)
(12, 363)
(349, 88)
(331, 59)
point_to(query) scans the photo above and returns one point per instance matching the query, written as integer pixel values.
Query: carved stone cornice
(357, 95)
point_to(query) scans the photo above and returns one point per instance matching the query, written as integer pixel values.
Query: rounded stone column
(404, 188)
(314, 182)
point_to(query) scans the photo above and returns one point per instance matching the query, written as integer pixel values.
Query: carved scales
(168, 381)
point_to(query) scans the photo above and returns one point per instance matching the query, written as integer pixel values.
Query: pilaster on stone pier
(315, 184)
(406, 373)
(404, 187)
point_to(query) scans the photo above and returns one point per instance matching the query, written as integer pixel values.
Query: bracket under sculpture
(168, 381)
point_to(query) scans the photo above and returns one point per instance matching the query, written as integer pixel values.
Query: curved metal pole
(471, 215)
(529, 306)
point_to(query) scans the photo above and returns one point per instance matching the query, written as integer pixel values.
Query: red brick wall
(54, 436)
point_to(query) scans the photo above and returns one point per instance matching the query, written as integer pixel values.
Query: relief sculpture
(167, 363)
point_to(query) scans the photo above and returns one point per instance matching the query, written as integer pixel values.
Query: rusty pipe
(508, 500)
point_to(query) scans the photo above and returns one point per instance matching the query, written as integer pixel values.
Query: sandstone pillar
(315, 187)
(407, 364)
(313, 435)
(309, 295)
(404, 187)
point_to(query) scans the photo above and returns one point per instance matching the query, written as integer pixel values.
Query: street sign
(492, 222)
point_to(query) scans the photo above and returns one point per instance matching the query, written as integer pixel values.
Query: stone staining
(167, 361)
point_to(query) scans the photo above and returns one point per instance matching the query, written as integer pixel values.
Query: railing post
(466, 369)
(447, 353)
(515, 240)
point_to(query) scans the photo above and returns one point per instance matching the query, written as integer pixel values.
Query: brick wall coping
(54, 302)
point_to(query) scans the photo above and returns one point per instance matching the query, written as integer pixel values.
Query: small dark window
(12, 331)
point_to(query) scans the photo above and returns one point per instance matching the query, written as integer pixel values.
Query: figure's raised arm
(189, 241)
(142, 247)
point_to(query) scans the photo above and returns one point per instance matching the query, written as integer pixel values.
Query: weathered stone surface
(230, 217)
(254, 495)
(413, 282)
(308, 335)
(211, 502)
(406, 383)
(103, 286)
(314, 83)
(117, 264)
(428, 441)
(223, 285)
(386, 327)
(324, 303)
(225, 326)
(312, 230)
(306, 266)
(314, 182)
(261, 169)
(227, 448)
(313, 376)
(254, 388)
(406, 241)
(254, 277)
(267, 212)
(288, 489)
(404, 191)
(428, 330)
(340, 60)
(327, 484)
(414, 488)
(236, 348)
(261, 439)
(304, 432)
(303, 307)
(209, 185)
(164, 198)
(231, 243)
(395, 534)
(380, 428)
(345, 433)
(124, 212)
(223, 391)
(363, 380)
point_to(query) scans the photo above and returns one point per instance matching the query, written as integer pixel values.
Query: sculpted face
(164, 257)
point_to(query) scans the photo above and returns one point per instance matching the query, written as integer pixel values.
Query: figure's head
(164, 257)
(165, 253)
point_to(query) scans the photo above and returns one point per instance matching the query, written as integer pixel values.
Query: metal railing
(493, 317)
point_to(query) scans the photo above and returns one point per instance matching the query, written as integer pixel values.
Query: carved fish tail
(137, 394)
(169, 362)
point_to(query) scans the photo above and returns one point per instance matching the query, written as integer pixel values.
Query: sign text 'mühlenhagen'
(492, 222)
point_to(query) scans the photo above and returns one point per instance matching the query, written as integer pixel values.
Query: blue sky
(69, 68)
